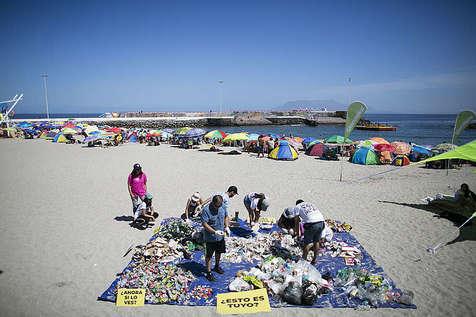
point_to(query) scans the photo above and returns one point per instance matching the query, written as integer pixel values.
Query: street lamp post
(221, 94)
(45, 79)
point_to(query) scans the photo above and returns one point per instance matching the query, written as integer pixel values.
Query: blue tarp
(326, 265)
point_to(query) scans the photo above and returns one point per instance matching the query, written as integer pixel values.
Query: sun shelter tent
(365, 156)
(316, 150)
(465, 152)
(60, 138)
(401, 160)
(284, 151)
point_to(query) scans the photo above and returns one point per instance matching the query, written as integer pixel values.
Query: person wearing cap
(255, 203)
(215, 222)
(137, 186)
(313, 221)
(193, 207)
(286, 221)
(230, 193)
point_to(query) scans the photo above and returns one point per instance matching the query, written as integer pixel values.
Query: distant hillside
(315, 104)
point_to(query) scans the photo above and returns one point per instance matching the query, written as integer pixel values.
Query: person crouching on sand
(215, 222)
(313, 222)
(193, 207)
(286, 221)
(255, 203)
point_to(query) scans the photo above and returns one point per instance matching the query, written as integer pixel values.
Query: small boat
(376, 127)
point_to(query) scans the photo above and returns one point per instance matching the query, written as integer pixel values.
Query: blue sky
(403, 56)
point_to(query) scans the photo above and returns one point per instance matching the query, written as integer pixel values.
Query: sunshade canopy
(464, 152)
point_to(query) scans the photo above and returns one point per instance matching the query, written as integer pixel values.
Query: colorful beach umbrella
(382, 147)
(69, 131)
(194, 133)
(421, 150)
(181, 131)
(316, 150)
(284, 151)
(401, 148)
(155, 132)
(241, 136)
(215, 134)
(337, 139)
(379, 140)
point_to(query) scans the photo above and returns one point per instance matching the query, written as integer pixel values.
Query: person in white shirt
(313, 221)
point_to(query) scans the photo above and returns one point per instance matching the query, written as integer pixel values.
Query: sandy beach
(61, 247)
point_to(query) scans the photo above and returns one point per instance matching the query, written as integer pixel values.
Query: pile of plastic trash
(296, 283)
(161, 250)
(371, 289)
(164, 282)
(175, 228)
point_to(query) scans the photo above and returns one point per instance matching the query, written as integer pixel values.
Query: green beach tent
(464, 152)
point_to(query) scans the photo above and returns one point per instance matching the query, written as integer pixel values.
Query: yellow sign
(130, 297)
(249, 302)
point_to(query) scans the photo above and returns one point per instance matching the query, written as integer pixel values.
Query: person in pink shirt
(137, 186)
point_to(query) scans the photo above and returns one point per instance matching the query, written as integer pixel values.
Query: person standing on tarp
(215, 222)
(313, 222)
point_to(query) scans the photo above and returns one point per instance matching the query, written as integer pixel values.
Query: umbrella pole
(341, 163)
(433, 249)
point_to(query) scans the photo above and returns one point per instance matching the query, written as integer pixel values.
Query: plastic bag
(310, 294)
(293, 294)
(308, 272)
(239, 285)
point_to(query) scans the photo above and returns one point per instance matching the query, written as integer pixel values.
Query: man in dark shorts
(313, 222)
(215, 222)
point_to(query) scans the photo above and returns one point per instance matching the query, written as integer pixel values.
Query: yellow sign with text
(130, 297)
(248, 302)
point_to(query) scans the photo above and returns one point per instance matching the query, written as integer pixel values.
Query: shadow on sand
(467, 233)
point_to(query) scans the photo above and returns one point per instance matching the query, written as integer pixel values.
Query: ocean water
(423, 129)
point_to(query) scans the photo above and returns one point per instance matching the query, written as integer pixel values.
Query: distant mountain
(315, 104)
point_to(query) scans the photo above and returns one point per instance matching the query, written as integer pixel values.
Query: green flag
(354, 113)
(462, 121)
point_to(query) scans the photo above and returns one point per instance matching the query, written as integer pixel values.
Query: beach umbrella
(293, 142)
(193, 133)
(215, 134)
(168, 130)
(401, 148)
(69, 131)
(383, 147)
(91, 138)
(181, 131)
(365, 156)
(308, 140)
(253, 137)
(367, 143)
(283, 151)
(421, 150)
(316, 149)
(241, 136)
(24, 125)
(155, 132)
(115, 130)
(90, 129)
(265, 137)
(379, 140)
(166, 135)
(338, 139)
